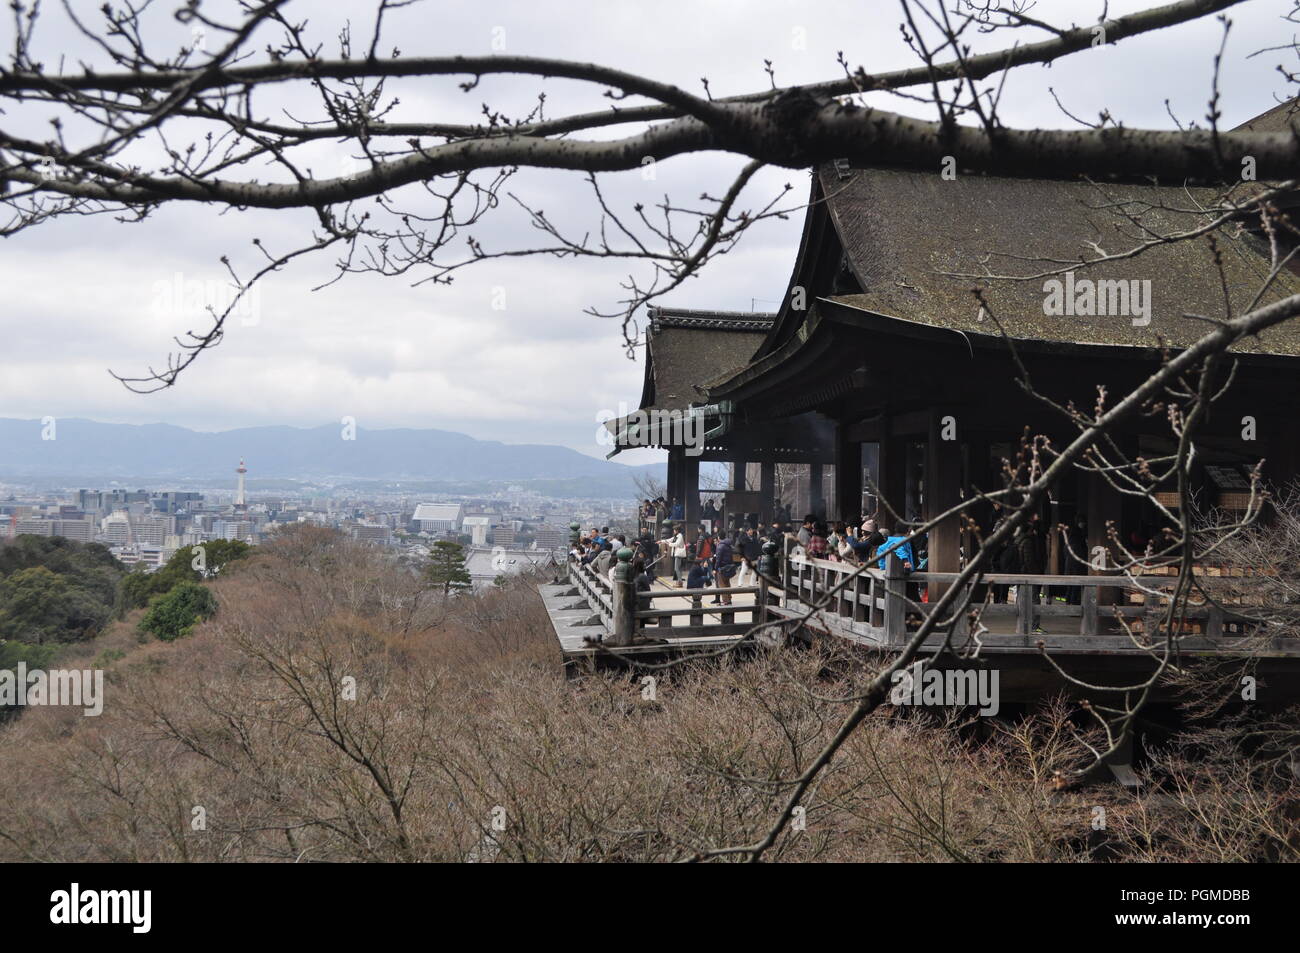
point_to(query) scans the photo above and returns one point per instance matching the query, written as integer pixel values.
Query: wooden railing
(880, 607)
(875, 603)
(617, 603)
(596, 589)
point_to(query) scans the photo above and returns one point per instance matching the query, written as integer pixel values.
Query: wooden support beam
(816, 498)
(736, 476)
(848, 476)
(943, 461)
(674, 488)
(1105, 505)
(893, 480)
(691, 494)
(766, 492)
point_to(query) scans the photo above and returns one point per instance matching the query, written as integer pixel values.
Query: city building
(477, 528)
(437, 518)
(485, 565)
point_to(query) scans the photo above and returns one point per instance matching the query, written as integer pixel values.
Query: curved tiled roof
(918, 244)
(686, 348)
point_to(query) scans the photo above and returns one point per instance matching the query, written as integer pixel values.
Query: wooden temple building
(883, 368)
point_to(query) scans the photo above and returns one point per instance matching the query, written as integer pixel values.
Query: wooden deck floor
(575, 636)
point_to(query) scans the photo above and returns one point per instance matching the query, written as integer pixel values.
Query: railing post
(785, 570)
(1024, 609)
(1150, 615)
(575, 534)
(961, 625)
(767, 568)
(1213, 622)
(623, 601)
(895, 601)
(861, 587)
(1088, 623)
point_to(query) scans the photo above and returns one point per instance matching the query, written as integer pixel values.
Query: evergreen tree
(188, 564)
(175, 614)
(447, 567)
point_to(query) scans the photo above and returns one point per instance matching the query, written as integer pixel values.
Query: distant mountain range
(89, 451)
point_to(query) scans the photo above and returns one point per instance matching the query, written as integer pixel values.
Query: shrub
(175, 614)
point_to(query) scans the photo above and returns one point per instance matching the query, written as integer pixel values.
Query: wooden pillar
(691, 493)
(1105, 503)
(848, 477)
(816, 499)
(1276, 442)
(871, 476)
(980, 475)
(674, 490)
(942, 492)
(766, 492)
(893, 479)
(735, 481)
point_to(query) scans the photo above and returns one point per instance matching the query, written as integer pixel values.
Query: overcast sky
(82, 295)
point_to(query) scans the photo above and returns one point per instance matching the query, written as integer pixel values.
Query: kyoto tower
(240, 501)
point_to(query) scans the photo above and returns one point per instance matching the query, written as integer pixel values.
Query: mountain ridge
(89, 449)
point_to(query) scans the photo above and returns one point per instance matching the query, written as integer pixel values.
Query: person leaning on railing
(903, 552)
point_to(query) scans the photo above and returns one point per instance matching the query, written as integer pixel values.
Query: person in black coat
(698, 578)
(864, 546)
(724, 564)
(648, 552)
(1031, 555)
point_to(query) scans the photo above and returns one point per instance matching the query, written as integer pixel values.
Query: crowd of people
(721, 559)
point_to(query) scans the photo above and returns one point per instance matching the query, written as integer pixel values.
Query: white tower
(239, 493)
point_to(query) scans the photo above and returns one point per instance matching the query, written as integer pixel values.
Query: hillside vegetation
(338, 709)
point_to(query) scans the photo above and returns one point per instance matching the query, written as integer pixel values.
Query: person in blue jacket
(903, 552)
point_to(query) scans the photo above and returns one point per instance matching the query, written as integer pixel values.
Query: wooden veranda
(1115, 628)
